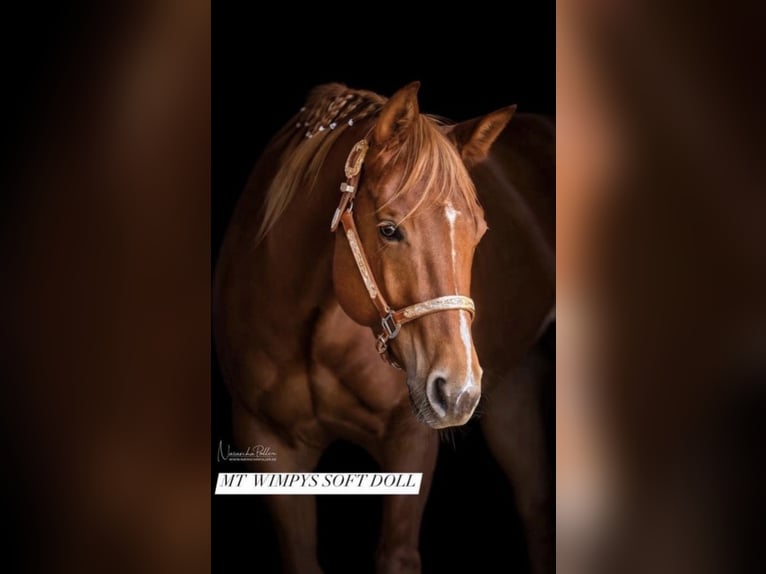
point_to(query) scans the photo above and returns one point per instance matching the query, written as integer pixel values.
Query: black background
(469, 64)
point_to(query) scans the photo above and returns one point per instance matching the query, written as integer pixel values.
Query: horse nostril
(452, 401)
(440, 392)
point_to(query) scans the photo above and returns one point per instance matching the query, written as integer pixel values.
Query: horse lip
(428, 416)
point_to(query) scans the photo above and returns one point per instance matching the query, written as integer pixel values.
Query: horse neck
(516, 180)
(527, 154)
(299, 248)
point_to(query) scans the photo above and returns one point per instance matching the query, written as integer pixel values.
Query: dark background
(469, 65)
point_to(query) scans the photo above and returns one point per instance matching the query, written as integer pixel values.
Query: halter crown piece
(391, 320)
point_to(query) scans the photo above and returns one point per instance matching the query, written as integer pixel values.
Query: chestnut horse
(297, 308)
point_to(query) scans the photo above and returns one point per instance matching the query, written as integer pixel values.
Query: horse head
(419, 222)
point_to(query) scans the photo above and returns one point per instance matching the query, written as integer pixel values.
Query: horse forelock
(429, 162)
(432, 165)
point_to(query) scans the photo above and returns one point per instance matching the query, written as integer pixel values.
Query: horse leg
(294, 516)
(409, 447)
(513, 428)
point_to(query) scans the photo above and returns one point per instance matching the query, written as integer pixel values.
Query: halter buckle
(390, 331)
(390, 326)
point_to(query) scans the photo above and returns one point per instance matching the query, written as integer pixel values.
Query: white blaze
(465, 330)
(465, 336)
(452, 214)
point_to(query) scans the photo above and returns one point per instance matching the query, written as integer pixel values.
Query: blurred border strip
(106, 290)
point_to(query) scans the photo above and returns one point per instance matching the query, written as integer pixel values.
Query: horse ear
(397, 114)
(473, 138)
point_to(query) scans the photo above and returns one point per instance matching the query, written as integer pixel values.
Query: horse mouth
(424, 412)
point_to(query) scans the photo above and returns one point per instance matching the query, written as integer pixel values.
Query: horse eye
(391, 232)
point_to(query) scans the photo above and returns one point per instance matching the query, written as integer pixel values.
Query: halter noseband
(391, 320)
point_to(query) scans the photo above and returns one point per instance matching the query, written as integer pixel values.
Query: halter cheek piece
(391, 321)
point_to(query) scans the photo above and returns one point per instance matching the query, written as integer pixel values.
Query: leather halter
(391, 320)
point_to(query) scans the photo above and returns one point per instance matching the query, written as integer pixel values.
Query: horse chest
(353, 390)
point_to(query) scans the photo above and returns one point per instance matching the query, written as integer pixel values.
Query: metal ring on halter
(391, 331)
